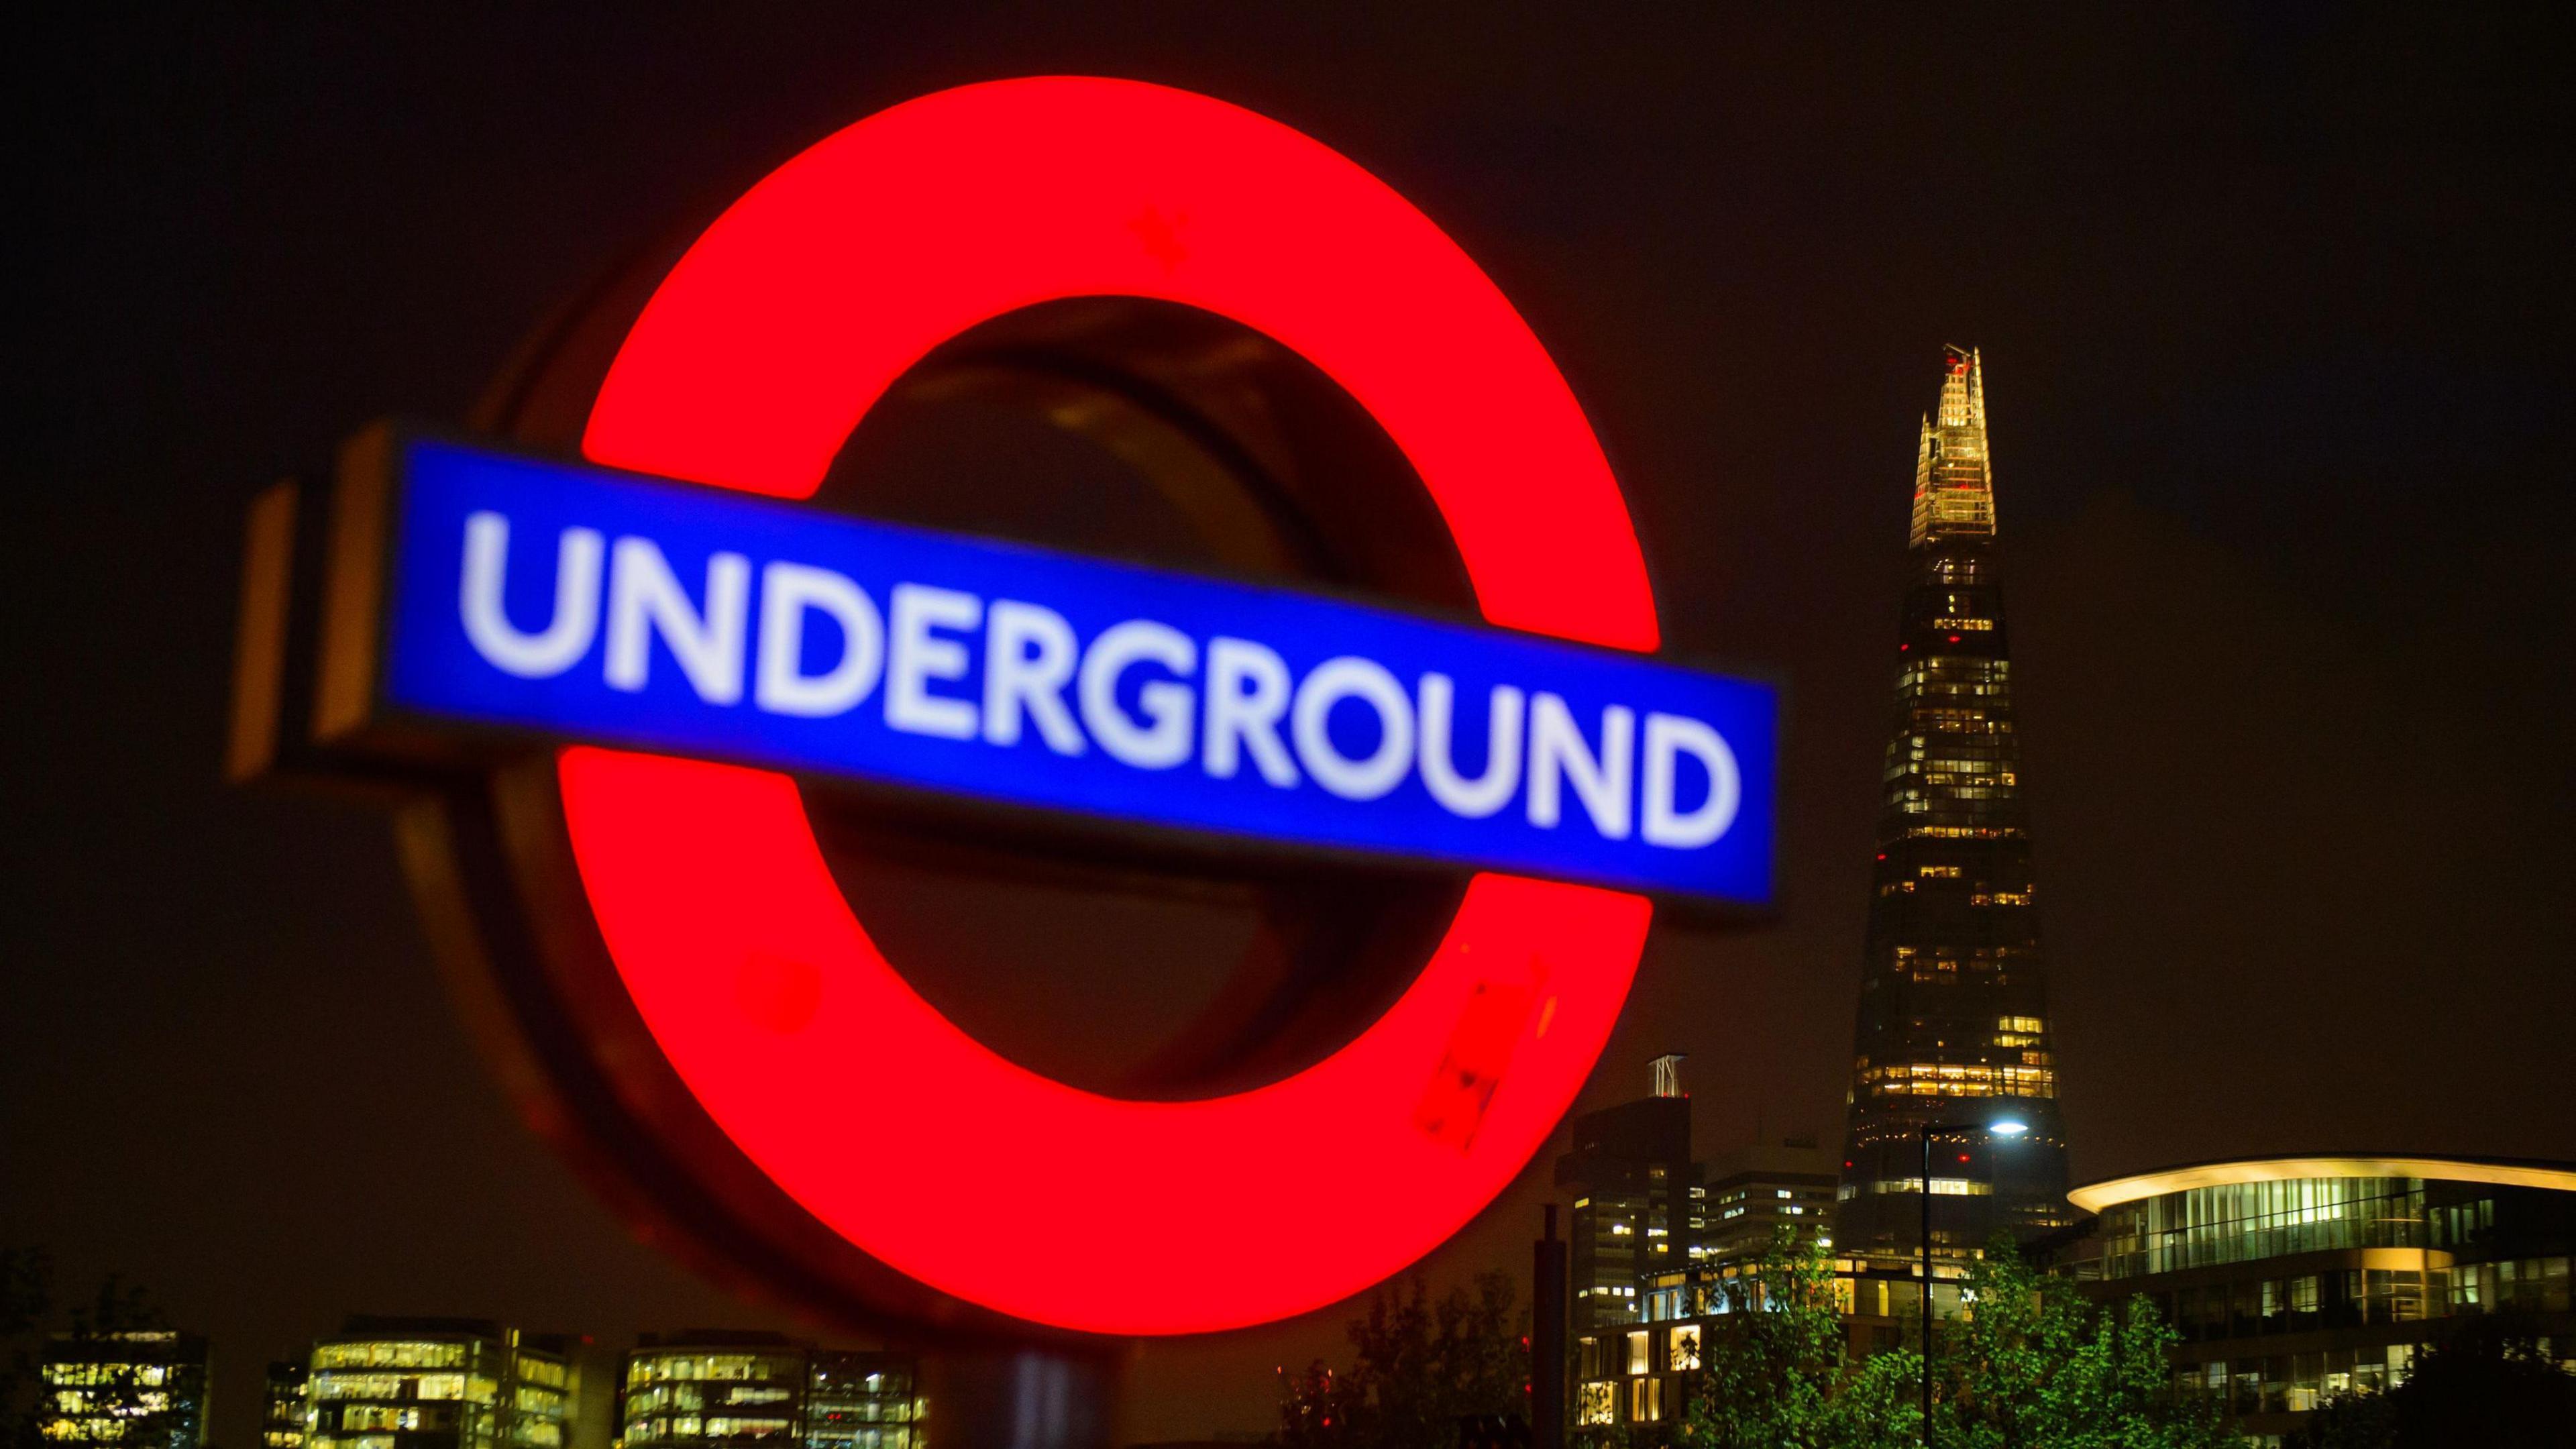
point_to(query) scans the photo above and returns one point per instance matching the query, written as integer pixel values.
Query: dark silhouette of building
(1551, 1362)
(2294, 1279)
(1637, 1199)
(135, 1389)
(283, 1407)
(722, 1389)
(1953, 1023)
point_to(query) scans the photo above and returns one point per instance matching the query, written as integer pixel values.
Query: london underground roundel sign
(701, 661)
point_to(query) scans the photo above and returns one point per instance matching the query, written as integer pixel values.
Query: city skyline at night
(2276, 323)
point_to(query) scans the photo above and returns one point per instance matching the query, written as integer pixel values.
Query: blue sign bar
(602, 607)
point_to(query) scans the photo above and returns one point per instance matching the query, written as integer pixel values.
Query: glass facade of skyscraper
(1953, 1022)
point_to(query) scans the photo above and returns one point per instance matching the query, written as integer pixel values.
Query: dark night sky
(2276, 320)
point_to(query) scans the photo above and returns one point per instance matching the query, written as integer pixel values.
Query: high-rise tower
(1953, 1006)
(1638, 1199)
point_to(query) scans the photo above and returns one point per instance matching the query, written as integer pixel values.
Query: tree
(2358, 1420)
(1421, 1366)
(2488, 1384)
(1774, 1372)
(2033, 1365)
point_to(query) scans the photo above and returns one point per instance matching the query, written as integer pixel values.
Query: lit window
(1600, 1403)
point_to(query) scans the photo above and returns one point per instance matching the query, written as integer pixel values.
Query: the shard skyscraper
(1954, 1022)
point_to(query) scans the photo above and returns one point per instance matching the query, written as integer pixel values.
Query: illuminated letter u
(566, 636)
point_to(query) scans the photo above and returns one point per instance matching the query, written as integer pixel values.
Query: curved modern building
(2291, 1278)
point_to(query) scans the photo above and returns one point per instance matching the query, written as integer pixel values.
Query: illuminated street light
(2004, 1127)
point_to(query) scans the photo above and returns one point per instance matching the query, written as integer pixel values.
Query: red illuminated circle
(782, 325)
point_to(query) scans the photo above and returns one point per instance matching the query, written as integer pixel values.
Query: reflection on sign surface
(601, 607)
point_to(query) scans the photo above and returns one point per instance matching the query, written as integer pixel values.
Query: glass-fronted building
(711, 1389)
(142, 1389)
(2294, 1278)
(438, 1383)
(1953, 1021)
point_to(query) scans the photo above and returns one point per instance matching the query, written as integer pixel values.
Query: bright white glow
(2008, 1128)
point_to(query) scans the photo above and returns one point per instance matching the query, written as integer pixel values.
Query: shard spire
(1954, 488)
(1953, 1023)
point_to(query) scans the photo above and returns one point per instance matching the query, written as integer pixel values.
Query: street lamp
(2000, 1127)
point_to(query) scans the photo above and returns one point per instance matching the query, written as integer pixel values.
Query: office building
(282, 1407)
(133, 1389)
(1953, 1021)
(1636, 1373)
(707, 1389)
(2294, 1278)
(861, 1401)
(1758, 1190)
(438, 1383)
(1638, 1201)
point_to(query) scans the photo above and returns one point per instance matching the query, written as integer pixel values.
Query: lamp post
(2000, 1127)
